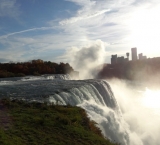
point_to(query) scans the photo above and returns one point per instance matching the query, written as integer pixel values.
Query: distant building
(120, 59)
(140, 56)
(126, 60)
(134, 53)
(114, 59)
(144, 57)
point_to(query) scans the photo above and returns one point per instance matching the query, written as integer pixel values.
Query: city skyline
(133, 56)
(51, 30)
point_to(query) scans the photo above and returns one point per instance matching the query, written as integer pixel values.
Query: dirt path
(5, 119)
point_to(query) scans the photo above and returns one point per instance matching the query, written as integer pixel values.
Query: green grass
(40, 124)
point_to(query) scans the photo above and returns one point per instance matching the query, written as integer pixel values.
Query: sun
(151, 98)
(145, 30)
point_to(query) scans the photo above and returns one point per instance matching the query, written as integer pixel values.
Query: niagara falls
(116, 106)
(79, 72)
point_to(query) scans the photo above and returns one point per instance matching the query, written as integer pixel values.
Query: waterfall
(95, 96)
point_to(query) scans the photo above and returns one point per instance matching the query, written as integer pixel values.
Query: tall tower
(134, 53)
(114, 59)
(127, 54)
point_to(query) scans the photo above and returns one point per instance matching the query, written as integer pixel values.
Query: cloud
(109, 21)
(83, 3)
(99, 20)
(9, 8)
(44, 46)
(24, 31)
(3, 60)
(75, 19)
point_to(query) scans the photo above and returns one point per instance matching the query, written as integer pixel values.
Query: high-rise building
(140, 56)
(134, 53)
(144, 57)
(114, 59)
(120, 59)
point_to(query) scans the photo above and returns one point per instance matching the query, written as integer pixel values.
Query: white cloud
(107, 20)
(83, 2)
(24, 31)
(9, 8)
(88, 16)
(38, 46)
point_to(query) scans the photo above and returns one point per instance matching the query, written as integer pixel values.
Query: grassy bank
(22, 123)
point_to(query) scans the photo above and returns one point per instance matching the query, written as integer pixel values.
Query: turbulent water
(95, 96)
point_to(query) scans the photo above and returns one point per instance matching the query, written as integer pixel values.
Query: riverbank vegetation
(39, 123)
(34, 67)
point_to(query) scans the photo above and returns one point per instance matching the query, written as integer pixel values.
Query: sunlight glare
(151, 98)
(145, 27)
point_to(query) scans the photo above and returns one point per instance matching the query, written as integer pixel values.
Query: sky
(49, 29)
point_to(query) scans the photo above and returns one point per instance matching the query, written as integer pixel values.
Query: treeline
(140, 70)
(34, 67)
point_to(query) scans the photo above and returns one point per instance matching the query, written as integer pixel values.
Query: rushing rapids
(95, 96)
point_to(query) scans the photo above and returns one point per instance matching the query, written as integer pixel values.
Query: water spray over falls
(87, 60)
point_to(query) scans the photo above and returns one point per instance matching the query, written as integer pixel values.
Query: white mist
(140, 109)
(88, 60)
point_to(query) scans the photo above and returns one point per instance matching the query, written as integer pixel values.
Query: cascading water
(95, 96)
